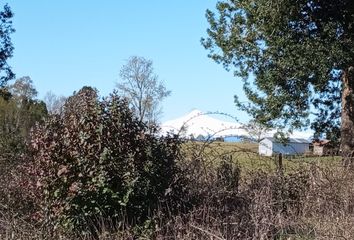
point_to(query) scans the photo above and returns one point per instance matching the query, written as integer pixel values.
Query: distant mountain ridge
(196, 123)
(200, 124)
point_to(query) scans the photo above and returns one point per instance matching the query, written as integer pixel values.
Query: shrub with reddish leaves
(96, 161)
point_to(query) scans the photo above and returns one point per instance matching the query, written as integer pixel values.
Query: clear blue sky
(64, 45)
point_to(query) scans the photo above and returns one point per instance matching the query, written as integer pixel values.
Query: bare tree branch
(140, 85)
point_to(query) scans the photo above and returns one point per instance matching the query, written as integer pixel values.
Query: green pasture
(246, 156)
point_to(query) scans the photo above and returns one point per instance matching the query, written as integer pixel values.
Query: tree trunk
(347, 118)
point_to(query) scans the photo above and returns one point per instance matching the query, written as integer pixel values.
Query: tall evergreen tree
(6, 47)
(295, 57)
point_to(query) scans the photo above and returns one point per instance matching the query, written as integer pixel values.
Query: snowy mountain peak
(195, 113)
(197, 123)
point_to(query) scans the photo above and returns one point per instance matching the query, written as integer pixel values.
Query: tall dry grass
(223, 200)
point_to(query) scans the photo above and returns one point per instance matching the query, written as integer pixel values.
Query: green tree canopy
(6, 47)
(295, 58)
(19, 112)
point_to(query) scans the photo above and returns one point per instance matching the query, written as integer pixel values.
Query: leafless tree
(54, 103)
(256, 131)
(23, 88)
(141, 86)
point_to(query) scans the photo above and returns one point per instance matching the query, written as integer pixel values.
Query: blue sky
(64, 45)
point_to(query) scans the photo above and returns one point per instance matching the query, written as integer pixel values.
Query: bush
(19, 111)
(97, 162)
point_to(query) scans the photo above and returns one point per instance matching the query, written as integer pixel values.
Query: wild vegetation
(95, 171)
(207, 195)
(92, 167)
(295, 59)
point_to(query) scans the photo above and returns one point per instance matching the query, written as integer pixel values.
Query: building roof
(291, 140)
(321, 142)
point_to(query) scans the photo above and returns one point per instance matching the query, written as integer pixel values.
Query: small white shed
(269, 146)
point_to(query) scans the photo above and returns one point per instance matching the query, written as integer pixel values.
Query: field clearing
(246, 156)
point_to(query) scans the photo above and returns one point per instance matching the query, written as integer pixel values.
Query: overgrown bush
(97, 162)
(230, 205)
(19, 111)
(94, 168)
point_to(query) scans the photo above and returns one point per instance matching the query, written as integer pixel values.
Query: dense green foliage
(291, 55)
(96, 161)
(6, 47)
(19, 112)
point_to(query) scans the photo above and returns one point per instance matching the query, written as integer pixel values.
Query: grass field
(303, 203)
(246, 156)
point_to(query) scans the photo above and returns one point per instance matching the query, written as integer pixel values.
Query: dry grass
(246, 155)
(323, 209)
(235, 194)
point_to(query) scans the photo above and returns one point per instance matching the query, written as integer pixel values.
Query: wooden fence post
(280, 163)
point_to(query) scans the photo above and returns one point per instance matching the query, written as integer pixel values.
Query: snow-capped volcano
(197, 123)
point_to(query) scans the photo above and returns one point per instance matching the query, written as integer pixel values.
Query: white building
(270, 146)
